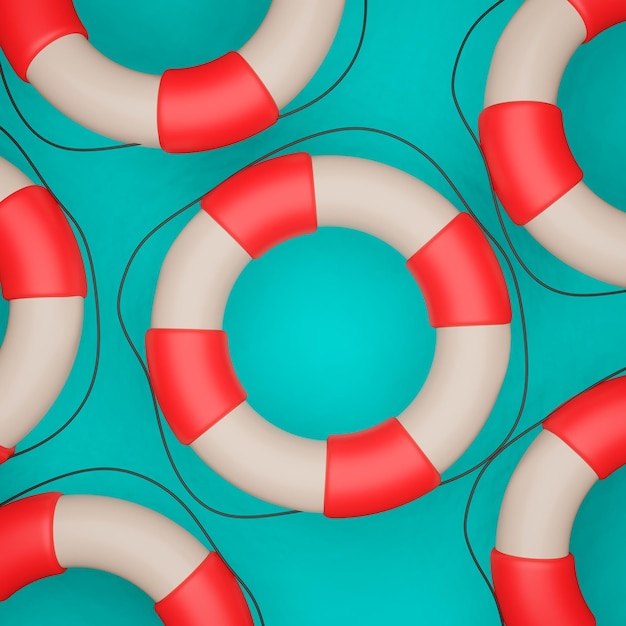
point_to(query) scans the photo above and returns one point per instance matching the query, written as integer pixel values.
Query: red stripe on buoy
(375, 470)
(539, 592)
(599, 15)
(529, 159)
(212, 105)
(27, 543)
(193, 378)
(264, 205)
(210, 595)
(28, 26)
(593, 424)
(6, 454)
(39, 256)
(460, 277)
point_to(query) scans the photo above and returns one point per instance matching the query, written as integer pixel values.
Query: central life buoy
(534, 574)
(43, 535)
(184, 110)
(522, 136)
(43, 278)
(353, 474)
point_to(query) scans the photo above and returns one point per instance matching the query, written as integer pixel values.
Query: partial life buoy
(534, 574)
(43, 535)
(521, 130)
(184, 110)
(350, 474)
(43, 277)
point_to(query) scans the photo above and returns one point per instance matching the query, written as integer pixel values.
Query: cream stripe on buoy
(534, 573)
(521, 129)
(348, 475)
(43, 277)
(184, 110)
(43, 535)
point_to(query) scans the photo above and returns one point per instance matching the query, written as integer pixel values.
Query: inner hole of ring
(154, 36)
(329, 333)
(599, 548)
(592, 96)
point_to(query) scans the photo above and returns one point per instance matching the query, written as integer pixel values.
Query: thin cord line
(48, 141)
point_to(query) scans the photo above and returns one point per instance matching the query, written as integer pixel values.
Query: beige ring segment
(127, 540)
(542, 499)
(580, 228)
(120, 103)
(39, 347)
(468, 367)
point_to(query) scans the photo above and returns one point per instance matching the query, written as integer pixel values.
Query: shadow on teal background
(328, 332)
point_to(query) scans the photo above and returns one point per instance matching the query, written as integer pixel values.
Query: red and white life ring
(521, 129)
(534, 573)
(353, 474)
(43, 277)
(184, 110)
(43, 535)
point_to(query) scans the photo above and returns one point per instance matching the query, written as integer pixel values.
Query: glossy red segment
(593, 425)
(26, 542)
(539, 592)
(193, 378)
(375, 470)
(529, 159)
(210, 595)
(39, 256)
(460, 277)
(599, 15)
(28, 26)
(6, 454)
(212, 105)
(266, 204)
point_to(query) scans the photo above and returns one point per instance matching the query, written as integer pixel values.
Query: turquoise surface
(328, 332)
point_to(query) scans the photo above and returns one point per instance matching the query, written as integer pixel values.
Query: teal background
(328, 332)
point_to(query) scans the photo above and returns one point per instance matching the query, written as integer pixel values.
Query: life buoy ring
(43, 535)
(353, 474)
(521, 129)
(534, 574)
(43, 277)
(184, 110)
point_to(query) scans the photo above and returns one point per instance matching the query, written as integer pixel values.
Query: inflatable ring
(352, 474)
(534, 573)
(184, 110)
(43, 535)
(532, 168)
(43, 277)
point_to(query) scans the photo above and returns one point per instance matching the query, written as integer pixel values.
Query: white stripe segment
(533, 51)
(127, 540)
(585, 232)
(542, 499)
